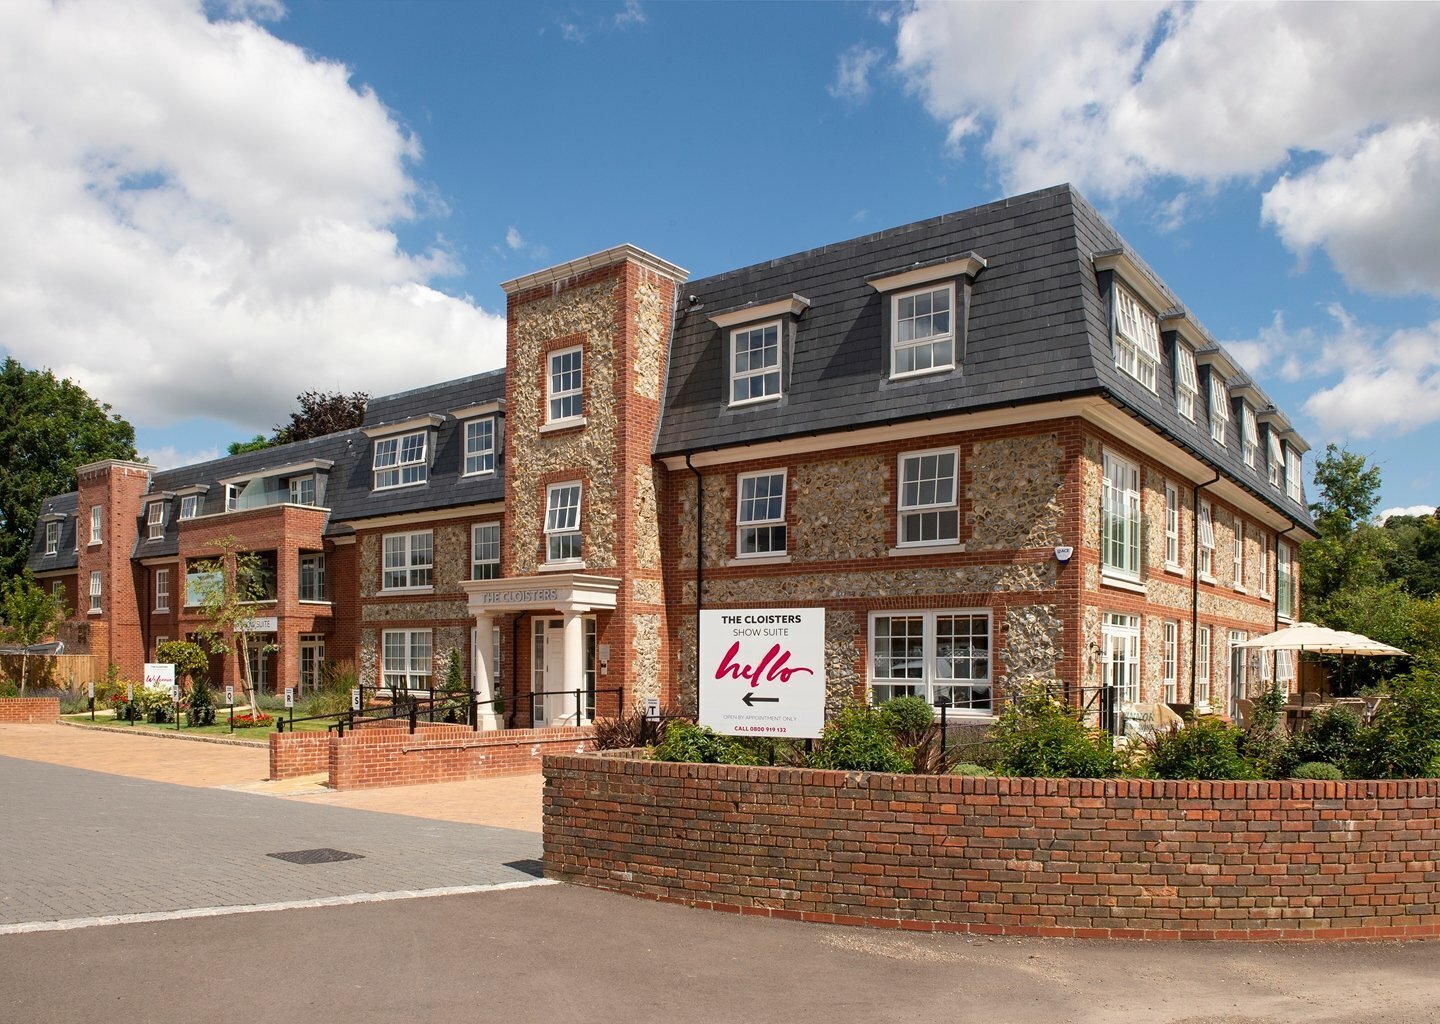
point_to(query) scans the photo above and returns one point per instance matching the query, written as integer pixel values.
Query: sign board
(762, 671)
(175, 691)
(263, 624)
(230, 695)
(159, 677)
(129, 693)
(652, 708)
(355, 699)
(289, 696)
(92, 691)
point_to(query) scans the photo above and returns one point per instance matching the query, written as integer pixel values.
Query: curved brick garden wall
(1053, 857)
(29, 710)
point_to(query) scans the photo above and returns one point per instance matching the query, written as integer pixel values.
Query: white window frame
(97, 591)
(1285, 669)
(155, 520)
(1284, 581)
(479, 566)
(765, 372)
(749, 531)
(563, 523)
(407, 561)
(1170, 661)
(52, 538)
(232, 497)
(57, 589)
(297, 489)
(162, 590)
(97, 521)
(312, 660)
(1203, 654)
(407, 659)
(1120, 500)
(1292, 475)
(1172, 526)
(189, 506)
(399, 462)
(1137, 338)
(931, 344)
(1219, 409)
(1238, 555)
(1236, 680)
(919, 511)
(930, 682)
(1263, 561)
(314, 561)
(1250, 435)
(1120, 642)
(1275, 460)
(558, 396)
(1187, 381)
(1207, 541)
(480, 446)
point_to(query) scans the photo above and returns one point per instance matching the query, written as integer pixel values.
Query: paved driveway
(82, 844)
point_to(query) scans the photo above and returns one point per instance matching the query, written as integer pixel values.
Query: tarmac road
(559, 954)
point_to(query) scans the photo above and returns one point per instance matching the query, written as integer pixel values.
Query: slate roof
(351, 497)
(1038, 330)
(66, 505)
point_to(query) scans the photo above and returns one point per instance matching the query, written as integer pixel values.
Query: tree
(1351, 552)
(31, 616)
(49, 428)
(190, 660)
(1415, 562)
(226, 589)
(321, 413)
(255, 444)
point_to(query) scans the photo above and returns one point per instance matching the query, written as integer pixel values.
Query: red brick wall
(1052, 857)
(298, 753)
(28, 710)
(373, 757)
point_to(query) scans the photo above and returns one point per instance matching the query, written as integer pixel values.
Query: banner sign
(762, 671)
(160, 677)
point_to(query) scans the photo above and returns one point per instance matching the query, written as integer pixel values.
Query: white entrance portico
(568, 596)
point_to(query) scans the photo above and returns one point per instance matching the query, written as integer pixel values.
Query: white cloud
(1390, 387)
(183, 241)
(169, 457)
(513, 238)
(1409, 510)
(852, 73)
(1118, 98)
(632, 13)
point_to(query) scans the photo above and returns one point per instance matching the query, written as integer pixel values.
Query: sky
(212, 207)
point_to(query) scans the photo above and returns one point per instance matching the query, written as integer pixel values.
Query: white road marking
(260, 908)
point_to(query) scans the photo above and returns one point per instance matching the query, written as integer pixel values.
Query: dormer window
(480, 446)
(755, 363)
(232, 497)
(1292, 475)
(1275, 464)
(924, 331)
(190, 506)
(1249, 433)
(566, 385)
(155, 520)
(1137, 338)
(1219, 409)
(400, 461)
(52, 538)
(1187, 385)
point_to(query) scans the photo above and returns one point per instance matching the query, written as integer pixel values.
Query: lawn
(220, 728)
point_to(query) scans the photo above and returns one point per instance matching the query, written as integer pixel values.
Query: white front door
(555, 703)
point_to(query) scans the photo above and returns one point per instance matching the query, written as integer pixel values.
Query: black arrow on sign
(750, 700)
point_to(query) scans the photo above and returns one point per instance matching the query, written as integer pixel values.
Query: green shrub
(861, 739)
(976, 770)
(332, 697)
(1040, 736)
(908, 714)
(202, 702)
(1330, 735)
(1403, 740)
(1321, 771)
(1206, 748)
(698, 744)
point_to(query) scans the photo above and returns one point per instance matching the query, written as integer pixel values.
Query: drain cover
(530, 867)
(323, 856)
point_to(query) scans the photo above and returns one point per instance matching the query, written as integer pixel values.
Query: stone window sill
(909, 550)
(560, 566)
(1119, 583)
(389, 591)
(742, 560)
(96, 611)
(1174, 570)
(574, 423)
(327, 604)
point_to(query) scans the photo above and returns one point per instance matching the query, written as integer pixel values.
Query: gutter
(699, 568)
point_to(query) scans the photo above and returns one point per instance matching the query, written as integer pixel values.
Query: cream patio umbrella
(1306, 636)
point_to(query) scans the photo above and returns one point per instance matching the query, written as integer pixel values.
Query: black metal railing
(457, 707)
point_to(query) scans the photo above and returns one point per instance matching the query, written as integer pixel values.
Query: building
(993, 446)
